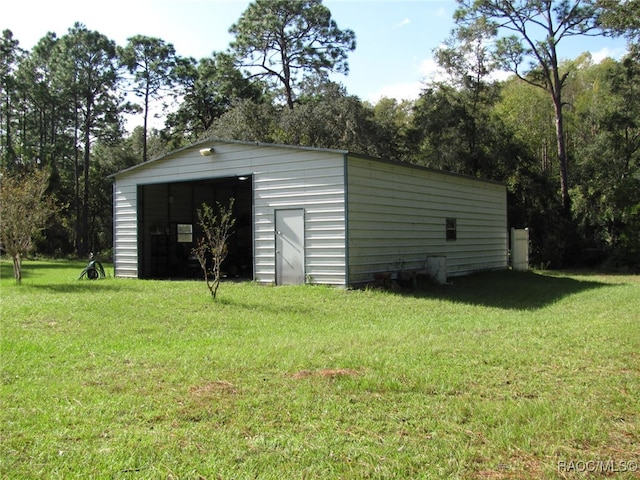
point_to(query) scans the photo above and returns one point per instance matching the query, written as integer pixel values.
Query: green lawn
(500, 375)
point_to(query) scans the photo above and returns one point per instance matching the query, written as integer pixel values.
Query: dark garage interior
(168, 227)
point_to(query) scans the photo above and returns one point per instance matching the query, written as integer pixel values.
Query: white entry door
(290, 247)
(520, 249)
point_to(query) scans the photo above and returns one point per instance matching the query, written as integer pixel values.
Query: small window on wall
(451, 229)
(185, 233)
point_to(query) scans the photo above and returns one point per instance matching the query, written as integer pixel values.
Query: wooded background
(564, 135)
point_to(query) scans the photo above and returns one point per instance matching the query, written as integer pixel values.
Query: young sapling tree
(211, 249)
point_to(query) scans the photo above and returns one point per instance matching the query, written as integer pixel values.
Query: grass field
(498, 376)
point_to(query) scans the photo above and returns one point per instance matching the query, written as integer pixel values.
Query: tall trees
(249, 121)
(88, 65)
(469, 63)
(608, 188)
(151, 61)
(9, 52)
(208, 88)
(45, 107)
(60, 107)
(603, 140)
(534, 30)
(453, 130)
(530, 115)
(621, 18)
(325, 117)
(454, 124)
(392, 120)
(30, 105)
(284, 40)
(328, 117)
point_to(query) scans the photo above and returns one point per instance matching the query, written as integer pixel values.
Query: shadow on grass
(509, 290)
(276, 308)
(498, 289)
(83, 287)
(38, 268)
(56, 276)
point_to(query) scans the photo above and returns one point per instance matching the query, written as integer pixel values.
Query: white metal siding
(125, 226)
(282, 178)
(397, 215)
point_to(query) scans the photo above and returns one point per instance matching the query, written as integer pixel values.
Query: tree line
(562, 134)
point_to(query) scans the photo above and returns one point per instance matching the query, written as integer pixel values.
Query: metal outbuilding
(307, 215)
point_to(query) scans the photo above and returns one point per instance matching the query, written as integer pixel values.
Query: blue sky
(395, 38)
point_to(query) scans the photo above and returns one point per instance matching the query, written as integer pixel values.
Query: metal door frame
(278, 238)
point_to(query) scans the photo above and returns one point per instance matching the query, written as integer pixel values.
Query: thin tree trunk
(145, 126)
(17, 268)
(84, 239)
(562, 155)
(76, 168)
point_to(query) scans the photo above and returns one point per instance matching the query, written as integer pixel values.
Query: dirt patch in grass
(205, 400)
(519, 466)
(212, 388)
(326, 373)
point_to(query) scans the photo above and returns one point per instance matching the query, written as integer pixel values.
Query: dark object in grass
(93, 270)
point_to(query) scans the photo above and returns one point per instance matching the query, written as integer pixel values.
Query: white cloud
(606, 52)
(500, 75)
(402, 24)
(399, 91)
(427, 72)
(431, 72)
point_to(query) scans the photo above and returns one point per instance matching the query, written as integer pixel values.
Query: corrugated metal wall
(396, 213)
(282, 178)
(125, 226)
(397, 218)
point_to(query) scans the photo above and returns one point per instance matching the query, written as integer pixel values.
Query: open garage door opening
(168, 227)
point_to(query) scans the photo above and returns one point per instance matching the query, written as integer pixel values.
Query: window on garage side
(451, 229)
(185, 233)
